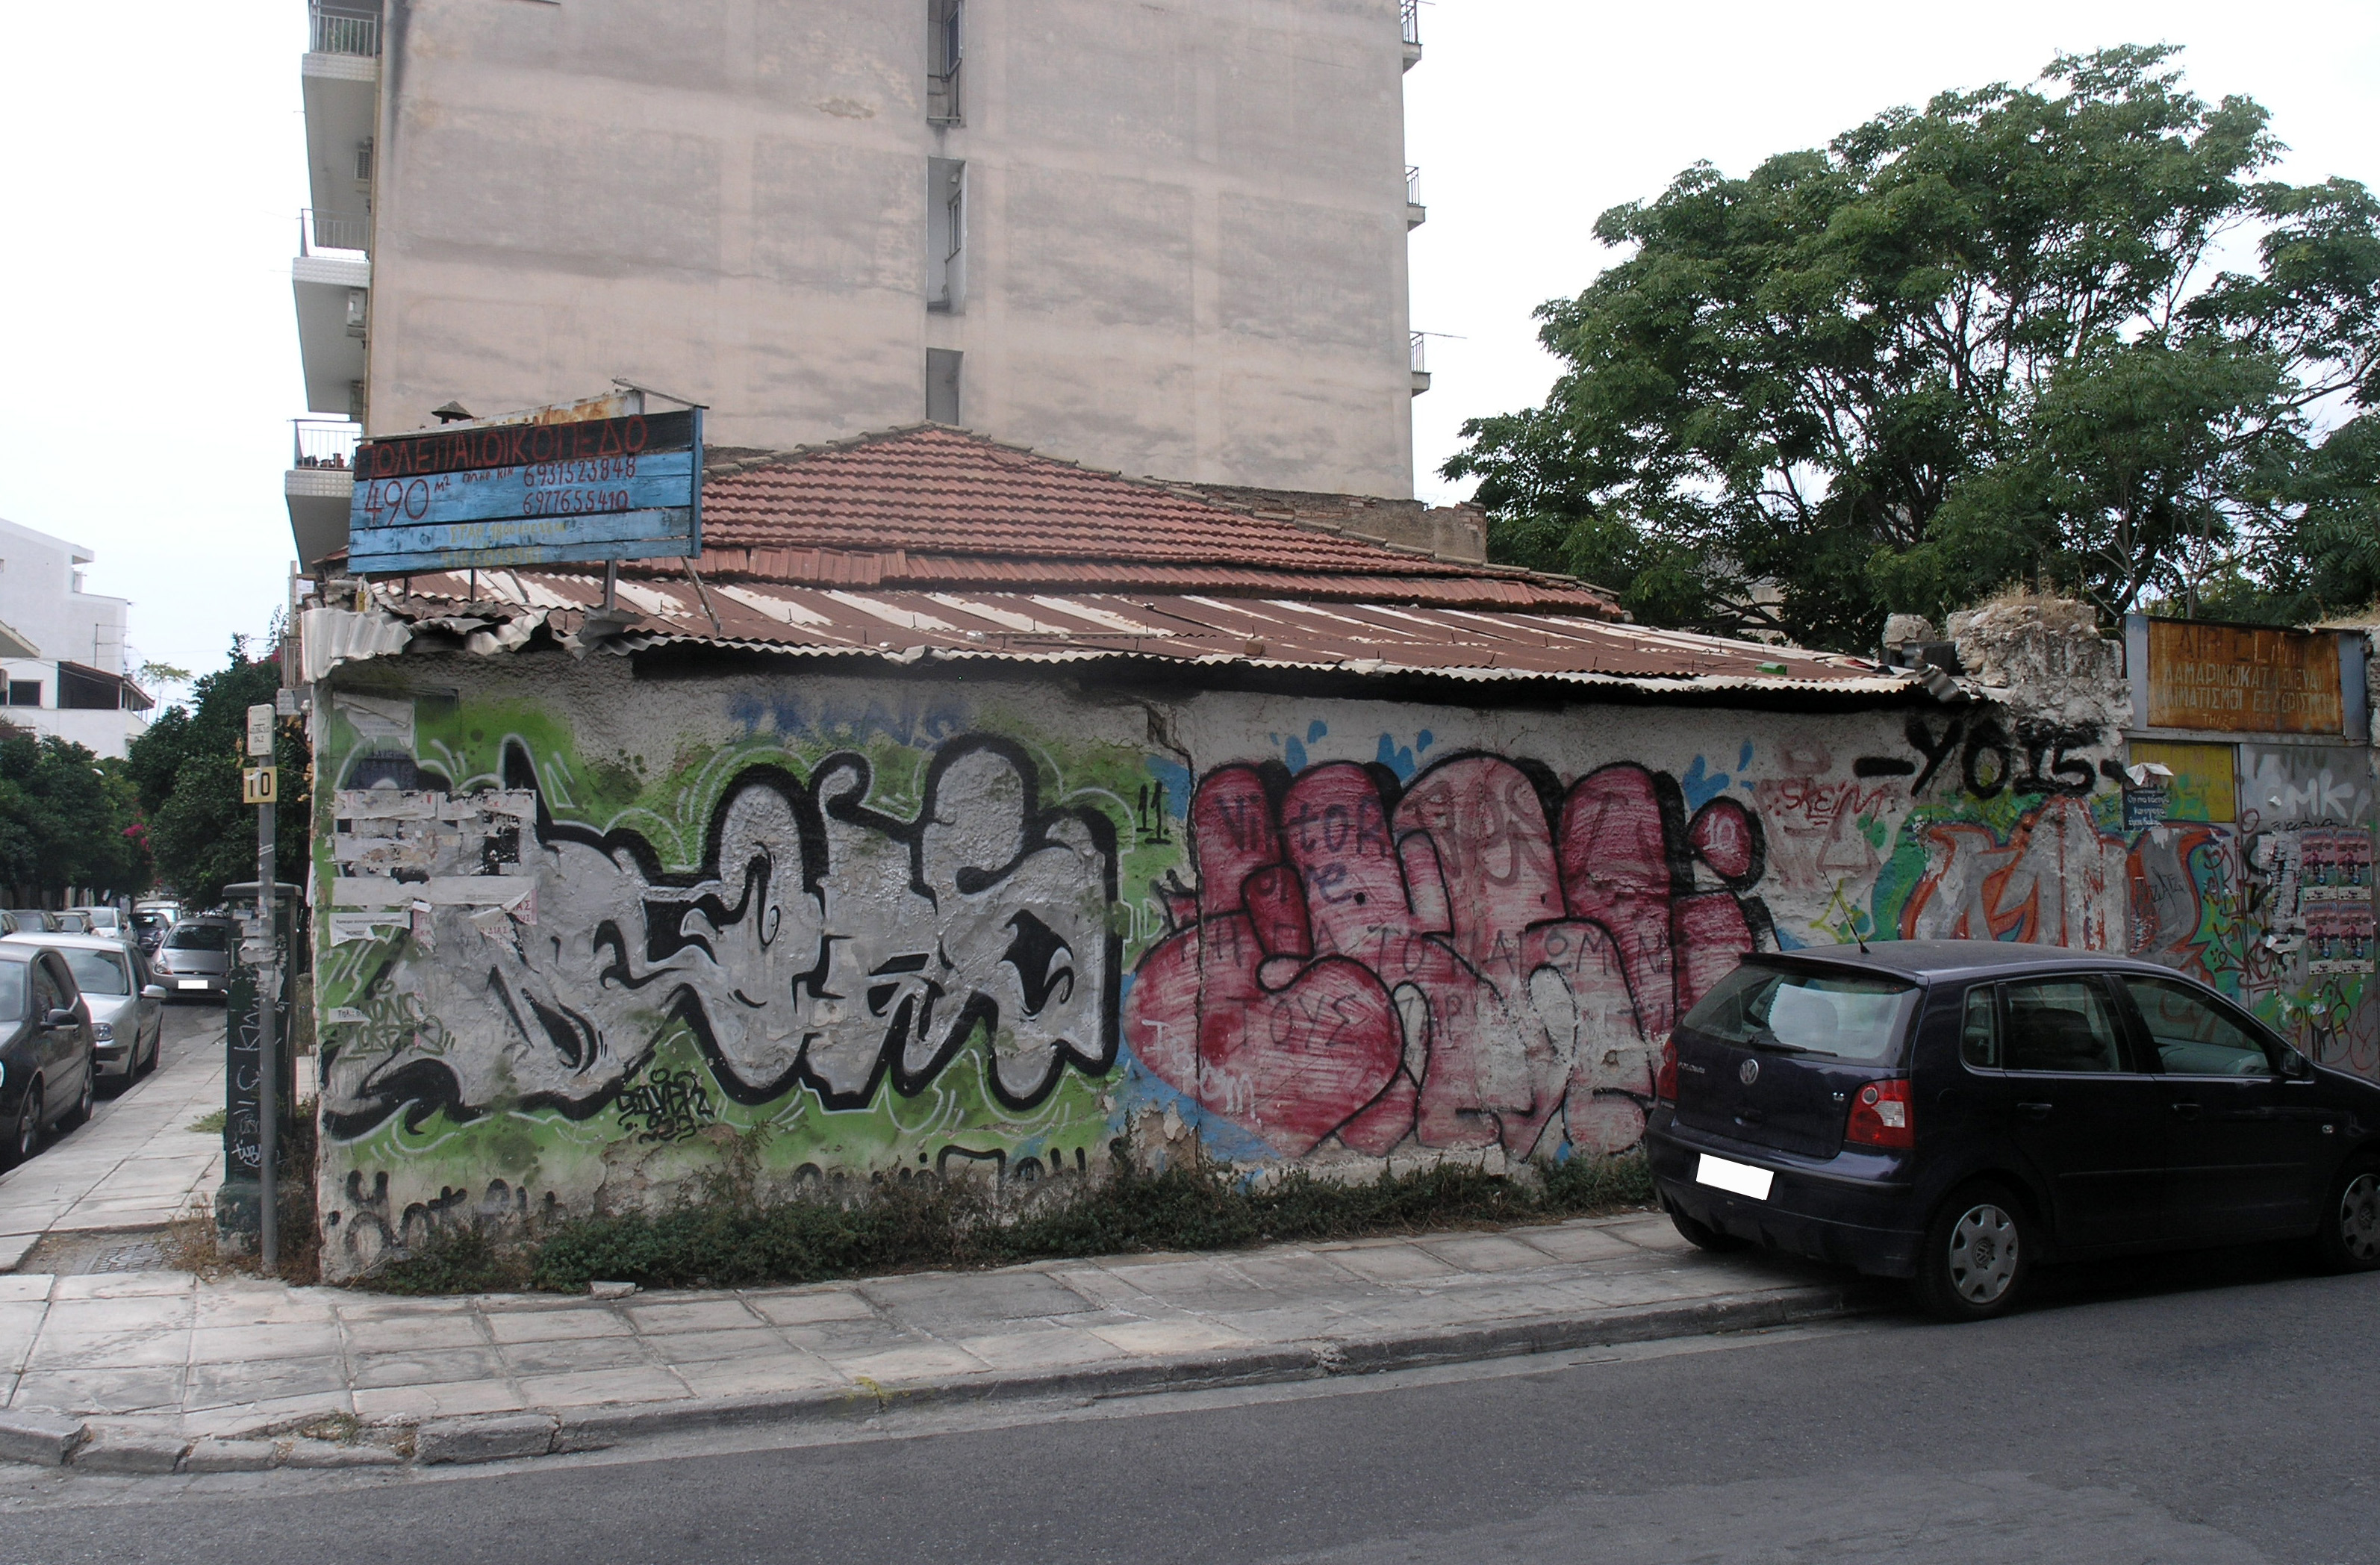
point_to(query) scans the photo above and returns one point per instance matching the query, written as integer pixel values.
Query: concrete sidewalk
(138, 1165)
(188, 1361)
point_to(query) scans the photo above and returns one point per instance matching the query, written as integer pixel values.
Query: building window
(946, 51)
(943, 370)
(24, 692)
(946, 215)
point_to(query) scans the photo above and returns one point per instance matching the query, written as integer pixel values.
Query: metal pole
(268, 1006)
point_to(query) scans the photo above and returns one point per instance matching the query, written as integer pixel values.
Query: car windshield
(99, 972)
(1841, 1015)
(150, 920)
(12, 989)
(31, 918)
(198, 936)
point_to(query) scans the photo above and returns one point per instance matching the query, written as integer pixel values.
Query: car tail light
(1882, 1116)
(1665, 1080)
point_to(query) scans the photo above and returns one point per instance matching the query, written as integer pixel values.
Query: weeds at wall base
(730, 1237)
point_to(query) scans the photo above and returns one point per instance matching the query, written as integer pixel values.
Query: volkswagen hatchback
(1958, 1112)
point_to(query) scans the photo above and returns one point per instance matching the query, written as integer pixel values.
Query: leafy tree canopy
(68, 819)
(186, 769)
(2014, 336)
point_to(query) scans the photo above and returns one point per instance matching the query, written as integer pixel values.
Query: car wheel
(1977, 1252)
(1701, 1236)
(79, 1115)
(2350, 1237)
(26, 1138)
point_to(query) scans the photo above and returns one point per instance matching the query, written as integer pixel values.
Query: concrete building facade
(1157, 238)
(62, 648)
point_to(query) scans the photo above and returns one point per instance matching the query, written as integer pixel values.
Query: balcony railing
(1421, 353)
(340, 32)
(942, 105)
(1413, 186)
(1413, 24)
(322, 443)
(319, 231)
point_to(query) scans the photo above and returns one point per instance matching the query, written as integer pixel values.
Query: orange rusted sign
(2244, 678)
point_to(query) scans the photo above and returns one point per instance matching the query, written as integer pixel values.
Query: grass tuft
(729, 1235)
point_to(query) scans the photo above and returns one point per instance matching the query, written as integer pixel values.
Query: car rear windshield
(1842, 1015)
(198, 936)
(96, 972)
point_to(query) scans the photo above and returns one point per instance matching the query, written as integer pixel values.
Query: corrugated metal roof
(1071, 625)
(932, 543)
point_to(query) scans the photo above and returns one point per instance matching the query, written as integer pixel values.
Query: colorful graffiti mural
(818, 941)
(573, 948)
(1450, 962)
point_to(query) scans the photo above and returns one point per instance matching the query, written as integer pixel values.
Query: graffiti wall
(580, 934)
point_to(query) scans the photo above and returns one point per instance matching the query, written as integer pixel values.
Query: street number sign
(261, 785)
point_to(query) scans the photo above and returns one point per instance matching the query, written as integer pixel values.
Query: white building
(1165, 238)
(63, 647)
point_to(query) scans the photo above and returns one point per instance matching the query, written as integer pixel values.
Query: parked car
(46, 1075)
(72, 921)
(31, 919)
(151, 920)
(194, 959)
(127, 1026)
(1958, 1112)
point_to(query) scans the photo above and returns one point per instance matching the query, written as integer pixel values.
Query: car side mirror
(2295, 1066)
(64, 1016)
(155, 991)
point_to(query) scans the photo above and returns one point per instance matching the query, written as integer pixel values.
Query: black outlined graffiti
(821, 942)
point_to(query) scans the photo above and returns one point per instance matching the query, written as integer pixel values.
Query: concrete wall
(577, 930)
(1184, 223)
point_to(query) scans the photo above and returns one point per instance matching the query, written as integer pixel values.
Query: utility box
(261, 973)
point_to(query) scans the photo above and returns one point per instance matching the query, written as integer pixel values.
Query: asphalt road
(2149, 1414)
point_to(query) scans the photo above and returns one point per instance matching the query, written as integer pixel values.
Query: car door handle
(2186, 1111)
(2034, 1110)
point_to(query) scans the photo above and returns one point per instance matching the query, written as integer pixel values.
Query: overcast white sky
(155, 168)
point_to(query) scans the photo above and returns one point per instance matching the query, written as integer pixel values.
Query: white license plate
(194, 983)
(1742, 1179)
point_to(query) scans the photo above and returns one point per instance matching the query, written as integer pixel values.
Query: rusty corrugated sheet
(1055, 624)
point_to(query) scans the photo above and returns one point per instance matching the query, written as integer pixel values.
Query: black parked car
(47, 1063)
(1959, 1111)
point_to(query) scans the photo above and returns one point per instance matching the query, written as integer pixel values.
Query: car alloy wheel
(2358, 1219)
(1976, 1255)
(1983, 1254)
(29, 1124)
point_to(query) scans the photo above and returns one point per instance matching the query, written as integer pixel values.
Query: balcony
(341, 30)
(320, 485)
(1415, 214)
(1420, 362)
(324, 233)
(1412, 14)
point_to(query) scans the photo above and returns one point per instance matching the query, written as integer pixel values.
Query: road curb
(52, 1441)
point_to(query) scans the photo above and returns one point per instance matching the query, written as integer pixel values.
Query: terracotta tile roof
(933, 506)
(935, 544)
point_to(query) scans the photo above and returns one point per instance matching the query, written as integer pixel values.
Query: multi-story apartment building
(1162, 237)
(62, 648)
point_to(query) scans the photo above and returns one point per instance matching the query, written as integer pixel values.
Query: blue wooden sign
(529, 495)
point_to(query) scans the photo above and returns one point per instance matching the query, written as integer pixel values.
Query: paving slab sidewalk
(137, 1165)
(191, 1359)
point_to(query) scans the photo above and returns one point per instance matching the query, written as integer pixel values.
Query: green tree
(68, 819)
(1988, 342)
(186, 769)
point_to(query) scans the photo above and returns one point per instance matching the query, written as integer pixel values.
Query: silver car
(126, 1025)
(194, 959)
